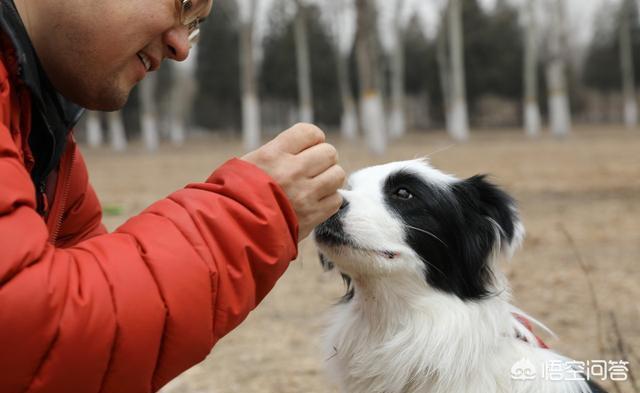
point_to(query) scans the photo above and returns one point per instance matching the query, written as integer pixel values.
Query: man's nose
(176, 43)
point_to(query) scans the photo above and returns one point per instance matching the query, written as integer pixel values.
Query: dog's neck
(406, 316)
(389, 295)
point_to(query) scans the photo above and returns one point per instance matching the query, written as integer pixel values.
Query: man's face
(94, 51)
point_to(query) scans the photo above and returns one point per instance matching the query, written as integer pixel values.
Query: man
(86, 311)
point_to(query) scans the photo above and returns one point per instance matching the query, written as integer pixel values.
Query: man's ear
(493, 210)
(325, 262)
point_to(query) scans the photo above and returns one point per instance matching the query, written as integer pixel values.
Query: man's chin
(105, 103)
(106, 99)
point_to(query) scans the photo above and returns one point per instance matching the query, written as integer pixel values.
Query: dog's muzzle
(331, 232)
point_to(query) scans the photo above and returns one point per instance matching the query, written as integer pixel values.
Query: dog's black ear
(488, 208)
(325, 262)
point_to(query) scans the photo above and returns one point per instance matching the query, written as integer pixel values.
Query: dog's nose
(344, 204)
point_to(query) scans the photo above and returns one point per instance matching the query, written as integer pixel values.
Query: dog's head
(407, 218)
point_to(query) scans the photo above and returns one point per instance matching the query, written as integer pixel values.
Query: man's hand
(307, 169)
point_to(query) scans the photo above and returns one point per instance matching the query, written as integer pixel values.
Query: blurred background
(541, 94)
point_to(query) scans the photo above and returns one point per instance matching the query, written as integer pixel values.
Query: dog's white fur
(399, 335)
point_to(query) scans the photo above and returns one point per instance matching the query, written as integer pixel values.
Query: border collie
(427, 308)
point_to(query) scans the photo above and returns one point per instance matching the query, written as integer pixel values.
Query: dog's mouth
(328, 237)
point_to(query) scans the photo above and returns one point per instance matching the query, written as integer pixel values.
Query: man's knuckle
(332, 153)
(314, 131)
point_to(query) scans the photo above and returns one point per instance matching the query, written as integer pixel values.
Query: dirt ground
(579, 198)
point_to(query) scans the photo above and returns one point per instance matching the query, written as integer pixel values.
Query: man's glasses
(190, 12)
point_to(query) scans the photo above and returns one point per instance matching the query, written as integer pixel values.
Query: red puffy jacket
(86, 311)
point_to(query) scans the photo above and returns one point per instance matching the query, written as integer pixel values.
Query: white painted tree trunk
(305, 92)
(94, 129)
(444, 68)
(250, 102)
(559, 110)
(349, 122)
(631, 112)
(397, 121)
(116, 131)
(532, 121)
(373, 122)
(349, 117)
(339, 19)
(372, 113)
(250, 122)
(149, 112)
(626, 59)
(183, 90)
(459, 122)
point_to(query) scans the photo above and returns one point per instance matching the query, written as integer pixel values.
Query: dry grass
(580, 200)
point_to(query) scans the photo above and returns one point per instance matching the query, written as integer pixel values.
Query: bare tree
(94, 129)
(531, 108)
(458, 121)
(183, 90)
(397, 121)
(626, 59)
(116, 131)
(340, 18)
(559, 112)
(371, 104)
(149, 112)
(444, 67)
(249, 78)
(303, 62)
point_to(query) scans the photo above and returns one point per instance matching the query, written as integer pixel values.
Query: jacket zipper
(63, 201)
(43, 201)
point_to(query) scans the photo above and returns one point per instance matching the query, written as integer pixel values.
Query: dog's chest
(365, 355)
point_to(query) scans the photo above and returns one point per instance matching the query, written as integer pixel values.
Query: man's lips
(149, 62)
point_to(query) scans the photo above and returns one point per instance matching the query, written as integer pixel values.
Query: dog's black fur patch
(461, 235)
(331, 232)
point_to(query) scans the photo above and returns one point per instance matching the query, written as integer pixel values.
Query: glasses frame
(191, 23)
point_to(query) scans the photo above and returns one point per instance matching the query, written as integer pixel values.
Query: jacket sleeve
(128, 311)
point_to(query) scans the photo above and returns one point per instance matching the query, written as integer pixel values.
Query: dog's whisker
(427, 233)
(433, 266)
(447, 147)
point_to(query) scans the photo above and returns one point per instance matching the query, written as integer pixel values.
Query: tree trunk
(149, 112)
(249, 84)
(183, 90)
(94, 129)
(459, 122)
(305, 94)
(626, 59)
(371, 105)
(531, 108)
(559, 112)
(349, 119)
(397, 122)
(443, 69)
(342, 37)
(116, 131)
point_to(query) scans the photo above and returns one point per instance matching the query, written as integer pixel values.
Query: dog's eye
(403, 193)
